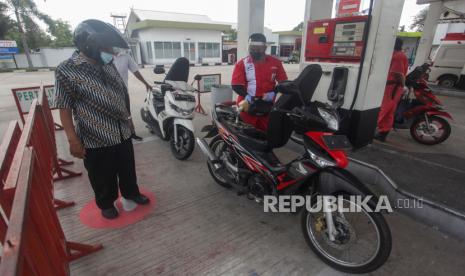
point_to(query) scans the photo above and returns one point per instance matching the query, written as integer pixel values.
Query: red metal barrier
(34, 134)
(35, 242)
(33, 246)
(30, 93)
(7, 151)
(41, 140)
(60, 172)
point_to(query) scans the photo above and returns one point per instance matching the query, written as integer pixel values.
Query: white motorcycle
(169, 109)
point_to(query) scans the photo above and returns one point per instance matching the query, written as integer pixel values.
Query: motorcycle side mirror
(159, 70)
(197, 77)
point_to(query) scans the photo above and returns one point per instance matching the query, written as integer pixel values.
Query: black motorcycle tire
(190, 143)
(421, 119)
(381, 256)
(213, 144)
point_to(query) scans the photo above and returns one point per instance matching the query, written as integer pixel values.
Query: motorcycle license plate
(337, 142)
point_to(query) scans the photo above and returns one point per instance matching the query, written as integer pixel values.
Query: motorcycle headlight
(183, 112)
(320, 161)
(331, 120)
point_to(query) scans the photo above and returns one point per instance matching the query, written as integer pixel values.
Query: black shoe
(381, 136)
(136, 137)
(110, 213)
(140, 199)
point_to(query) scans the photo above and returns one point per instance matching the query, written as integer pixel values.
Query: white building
(287, 43)
(164, 36)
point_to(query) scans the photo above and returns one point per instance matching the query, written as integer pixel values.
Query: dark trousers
(110, 167)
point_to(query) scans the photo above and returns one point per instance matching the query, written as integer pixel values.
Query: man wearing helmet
(90, 91)
(254, 79)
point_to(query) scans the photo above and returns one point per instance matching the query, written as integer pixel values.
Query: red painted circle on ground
(91, 215)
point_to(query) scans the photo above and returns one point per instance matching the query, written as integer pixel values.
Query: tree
(232, 34)
(26, 14)
(5, 21)
(299, 27)
(61, 31)
(419, 20)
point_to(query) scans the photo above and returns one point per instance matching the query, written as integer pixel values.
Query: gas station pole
(429, 29)
(250, 18)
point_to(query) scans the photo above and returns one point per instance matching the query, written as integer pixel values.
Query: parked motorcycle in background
(421, 111)
(169, 109)
(241, 157)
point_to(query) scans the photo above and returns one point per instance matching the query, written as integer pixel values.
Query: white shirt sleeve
(132, 65)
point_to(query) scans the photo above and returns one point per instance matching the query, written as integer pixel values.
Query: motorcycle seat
(271, 161)
(254, 142)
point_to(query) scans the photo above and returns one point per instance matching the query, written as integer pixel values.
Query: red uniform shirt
(260, 77)
(392, 92)
(399, 64)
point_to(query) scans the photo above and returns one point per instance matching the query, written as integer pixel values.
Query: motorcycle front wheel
(437, 132)
(185, 145)
(362, 239)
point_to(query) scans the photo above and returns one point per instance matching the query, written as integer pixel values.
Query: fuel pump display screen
(346, 36)
(349, 32)
(338, 39)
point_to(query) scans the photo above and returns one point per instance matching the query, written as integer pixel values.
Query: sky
(279, 14)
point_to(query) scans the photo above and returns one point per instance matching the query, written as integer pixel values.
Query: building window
(274, 50)
(149, 49)
(209, 50)
(167, 49)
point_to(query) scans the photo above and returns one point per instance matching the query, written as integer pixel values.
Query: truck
(448, 67)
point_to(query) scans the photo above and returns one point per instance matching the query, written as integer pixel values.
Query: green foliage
(5, 22)
(419, 20)
(62, 34)
(232, 35)
(299, 27)
(58, 33)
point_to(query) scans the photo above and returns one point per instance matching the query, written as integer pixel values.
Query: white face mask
(106, 57)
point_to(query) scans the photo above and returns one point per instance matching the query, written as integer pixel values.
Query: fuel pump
(354, 48)
(336, 40)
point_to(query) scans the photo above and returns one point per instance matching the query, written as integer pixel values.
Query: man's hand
(269, 97)
(139, 76)
(75, 146)
(77, 149)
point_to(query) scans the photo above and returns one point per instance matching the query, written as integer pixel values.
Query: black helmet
(91, 35)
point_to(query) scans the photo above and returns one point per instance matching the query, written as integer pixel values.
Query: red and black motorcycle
(421, 111)
(241, 157)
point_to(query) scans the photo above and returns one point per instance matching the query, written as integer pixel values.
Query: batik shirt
(95, 94)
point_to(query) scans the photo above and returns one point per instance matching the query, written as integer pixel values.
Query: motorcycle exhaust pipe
(207, 152)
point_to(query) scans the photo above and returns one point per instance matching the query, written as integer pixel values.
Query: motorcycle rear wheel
(420, 134)
(218, 146)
